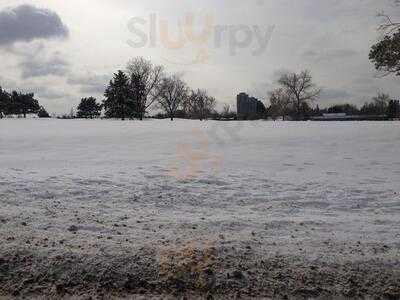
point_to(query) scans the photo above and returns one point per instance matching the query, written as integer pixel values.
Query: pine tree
(89, 108)
(118, 103)
(393, 109)
(23, 104)
(4, 103)
(43, 113)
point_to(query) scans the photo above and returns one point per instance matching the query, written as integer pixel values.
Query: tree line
(131, 93)
(296, 94)
(282, 106)
(381, 106)
(21, 104)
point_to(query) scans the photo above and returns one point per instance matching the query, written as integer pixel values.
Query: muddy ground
(193, 271)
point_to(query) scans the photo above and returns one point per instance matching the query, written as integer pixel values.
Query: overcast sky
(65, 50)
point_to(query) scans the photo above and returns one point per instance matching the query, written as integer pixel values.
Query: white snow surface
(321, 191)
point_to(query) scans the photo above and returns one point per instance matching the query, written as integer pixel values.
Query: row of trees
(130, 94)
(296, 93)
(21, 104)
(381, 105)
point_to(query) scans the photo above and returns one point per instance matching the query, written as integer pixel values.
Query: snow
(320, 191)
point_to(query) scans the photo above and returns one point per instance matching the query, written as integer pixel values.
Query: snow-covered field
(324, 194)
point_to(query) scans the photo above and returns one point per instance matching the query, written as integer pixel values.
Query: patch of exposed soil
(191, 272)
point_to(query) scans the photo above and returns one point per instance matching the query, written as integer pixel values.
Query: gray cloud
(326, 55)
(90, 84)
(310, 54)
(40, 91)
(277, 74)
(49, 93)
(260, 90)
(38, 67)
(7, 83)
(26, 23)
(35, 60)
(335, 94)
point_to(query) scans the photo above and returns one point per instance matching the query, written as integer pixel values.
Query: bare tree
(300, 88)
(280, 103)
(200, 104)
(145, 78)
(382, 102)
(173, 91)
(389, 26)
(226, 110)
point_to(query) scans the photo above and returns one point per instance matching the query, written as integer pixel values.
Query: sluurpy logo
(200, 33)
(193, 160)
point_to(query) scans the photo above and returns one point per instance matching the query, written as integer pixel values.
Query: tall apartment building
(249, 107)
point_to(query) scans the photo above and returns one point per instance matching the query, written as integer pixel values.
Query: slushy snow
(319, 191)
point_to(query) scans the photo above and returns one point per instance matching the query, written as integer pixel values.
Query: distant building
(334, 116)
(249, 107)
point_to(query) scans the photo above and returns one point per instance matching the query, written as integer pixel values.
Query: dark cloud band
(26, 23)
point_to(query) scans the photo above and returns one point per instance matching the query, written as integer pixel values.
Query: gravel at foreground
(194, 273)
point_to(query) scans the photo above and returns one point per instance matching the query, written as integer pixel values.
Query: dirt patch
(191, 271)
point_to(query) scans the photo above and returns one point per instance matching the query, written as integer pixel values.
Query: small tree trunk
(141, 112)
(298, 113)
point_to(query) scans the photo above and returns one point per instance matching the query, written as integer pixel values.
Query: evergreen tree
(385, 54)
(43, 113)
(118, 103)
(23, 104)
(5, 103)
(18, 103)
(89, 108)
(393, 109)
